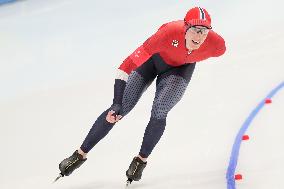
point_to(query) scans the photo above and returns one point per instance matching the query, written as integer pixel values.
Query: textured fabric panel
(169, 91)
(134, 89)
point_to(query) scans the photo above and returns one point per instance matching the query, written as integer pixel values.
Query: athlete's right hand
(113, 115)
(112, 118)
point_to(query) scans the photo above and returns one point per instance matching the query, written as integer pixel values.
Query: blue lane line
(237, 144)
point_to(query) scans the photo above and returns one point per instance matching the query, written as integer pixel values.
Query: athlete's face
(195, 36)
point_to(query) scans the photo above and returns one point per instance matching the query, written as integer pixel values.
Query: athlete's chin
(194, 47)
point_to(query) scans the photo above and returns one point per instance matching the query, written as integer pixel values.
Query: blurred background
(58, 63)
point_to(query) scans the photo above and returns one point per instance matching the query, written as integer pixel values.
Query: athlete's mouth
(195, 42)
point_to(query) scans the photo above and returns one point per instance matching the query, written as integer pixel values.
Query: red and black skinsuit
(163, 56)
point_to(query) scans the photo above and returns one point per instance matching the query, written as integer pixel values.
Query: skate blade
(128, 182)
(59, 176)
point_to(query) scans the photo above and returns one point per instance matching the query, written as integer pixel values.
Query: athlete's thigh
(138, 81)
(170, 87)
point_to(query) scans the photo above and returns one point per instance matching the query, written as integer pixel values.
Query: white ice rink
(58, 61)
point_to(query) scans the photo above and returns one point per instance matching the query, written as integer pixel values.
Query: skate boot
(68, 165)
(135, 170)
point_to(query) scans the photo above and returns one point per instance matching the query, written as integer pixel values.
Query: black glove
(116, 106)
(119, 87)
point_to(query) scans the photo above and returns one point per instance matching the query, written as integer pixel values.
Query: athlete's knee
(163, 105)
(159, 113)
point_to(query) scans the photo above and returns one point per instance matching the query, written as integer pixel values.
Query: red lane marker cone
(268, 101)
(245, 137)
(238, 177)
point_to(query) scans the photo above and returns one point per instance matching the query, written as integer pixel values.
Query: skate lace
(71, 163)
(137, 163)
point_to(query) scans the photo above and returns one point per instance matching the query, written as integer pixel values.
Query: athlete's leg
(170, 87)
(138, 81)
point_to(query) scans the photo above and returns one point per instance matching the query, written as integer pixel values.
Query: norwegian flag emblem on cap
(201, 14)
(198, 16)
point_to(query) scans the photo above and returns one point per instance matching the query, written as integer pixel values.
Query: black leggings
(171, 84)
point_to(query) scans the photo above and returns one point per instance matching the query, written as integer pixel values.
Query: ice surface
(58, 63)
